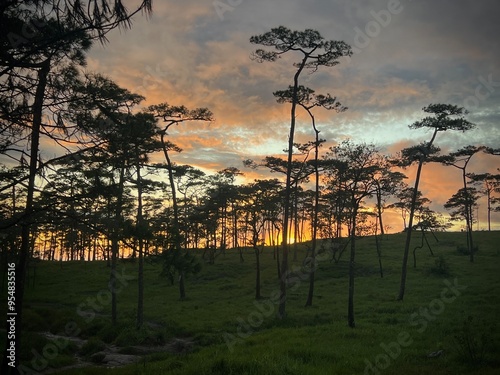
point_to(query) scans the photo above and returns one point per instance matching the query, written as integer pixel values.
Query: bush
(464, 250)
(127, 338)
(60, 350)
(441, 267)
(109, 333)
(472, 341)
(32, 321)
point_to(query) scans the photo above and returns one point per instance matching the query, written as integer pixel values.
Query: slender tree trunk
(257, 265)
(286, 213)
(175, 225)
(488, 197)
(379, 211)
(410, 220)
(277, 251)
(350, 308)
(114, 245)
(140, 229)
(295, 215)
(379, 252)
(468, 215)
(409, 232)
(235, 229)
(22, 265)
(315, 217)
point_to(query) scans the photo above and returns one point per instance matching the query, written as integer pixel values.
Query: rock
(435, 354)
(97, 357)
(118, 360)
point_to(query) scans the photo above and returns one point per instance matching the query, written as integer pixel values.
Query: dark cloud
(425, 52)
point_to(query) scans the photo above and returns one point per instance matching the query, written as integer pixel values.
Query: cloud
(429, 52)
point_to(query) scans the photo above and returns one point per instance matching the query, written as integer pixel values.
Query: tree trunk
(140, 229)
(175, 207)
(379, 252)
(468, 216)
(114, 246)
(488, 197)
(315, 218)
(175, 226)
(410, 220)
(295, 214)
(379, 211)
(286, 213)
(257, 272)
(408, 233)
(22, 265)
(350, 308)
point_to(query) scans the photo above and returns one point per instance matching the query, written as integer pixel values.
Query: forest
(113, 195)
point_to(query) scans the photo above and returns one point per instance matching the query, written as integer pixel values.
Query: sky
(407, 54)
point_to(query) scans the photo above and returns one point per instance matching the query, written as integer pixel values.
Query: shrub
(32, 321)
(464, 250)
(441, 267)
(110, 332)
(471, 341)
(128, 337)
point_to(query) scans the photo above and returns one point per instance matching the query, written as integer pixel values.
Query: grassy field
(450, 308)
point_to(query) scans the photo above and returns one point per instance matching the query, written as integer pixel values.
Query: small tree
(404, 203)
(175, 262)
(491, 185)
(442, 117)
(460, 159)
(461, 205)
(174, 115)
(359, 165)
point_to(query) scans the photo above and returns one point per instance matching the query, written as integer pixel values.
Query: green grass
(315, 340)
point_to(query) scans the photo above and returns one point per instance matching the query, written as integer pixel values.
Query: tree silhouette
(24, 97)
(314, 51)
(308, 100)
(461, 205)
(24, 28)
(491, 184)
(64, 30)
(359, 165)
(460, 159)
(442, 117)
(174, 115)
(101, 109)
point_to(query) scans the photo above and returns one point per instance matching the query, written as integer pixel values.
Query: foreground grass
(234, 334)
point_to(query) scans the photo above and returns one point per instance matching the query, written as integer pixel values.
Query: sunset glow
(194, 57)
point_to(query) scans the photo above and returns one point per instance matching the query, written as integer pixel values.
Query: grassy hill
(447, 323)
